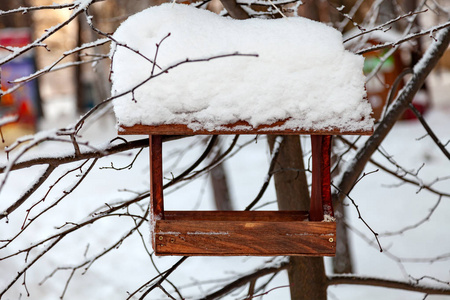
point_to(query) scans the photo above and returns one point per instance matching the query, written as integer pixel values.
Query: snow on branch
(383, 27)
(78, 7)
(24, 10)
(51, 67)
(381, 282)
(409, 37)
(421, 71)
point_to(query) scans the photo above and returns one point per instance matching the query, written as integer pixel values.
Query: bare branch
(427, 218)
(86, 154)
(39, 42)
(273, 161)
(42, 178)
(195, 164)
(163, 277)
(395, 174)
(244, 280)
(405, 39)
(375, 234)
(24, 10)
(234, 9)
(421, 71)
(371, 281)
(65, 54)
(382, 27)
(429, 130)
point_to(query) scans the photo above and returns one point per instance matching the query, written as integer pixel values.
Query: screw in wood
(160, 238)
(331, 240)
(172, 240)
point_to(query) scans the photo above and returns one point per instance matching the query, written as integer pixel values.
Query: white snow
(302, 72)
(8, 119)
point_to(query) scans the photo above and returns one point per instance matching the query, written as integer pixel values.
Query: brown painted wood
(258, 238)
(240, 127)
(316, 209)
(229, 233)
(327, 203)
(320, 188)
(245, 216)
(156, 179)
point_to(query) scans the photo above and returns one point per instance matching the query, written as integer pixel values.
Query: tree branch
(392, 284)
(244, 280)
(30, 191)
(234, 9)
(68, 158)
(405, 39)
(402, 178)
(273, 161)
(163, 277)
(421, 71)
(429, 130)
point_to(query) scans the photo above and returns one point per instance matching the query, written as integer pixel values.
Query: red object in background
(15, 37)
(25, 100)
(378, 88)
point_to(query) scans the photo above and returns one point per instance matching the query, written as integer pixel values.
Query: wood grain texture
(316, 208)
(327, 203)
(240, 127)
(320, 190)
(156, 178)
(256, 238)
(247, 216)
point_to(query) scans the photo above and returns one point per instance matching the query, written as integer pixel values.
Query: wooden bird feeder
(299, 74)
(229, 233)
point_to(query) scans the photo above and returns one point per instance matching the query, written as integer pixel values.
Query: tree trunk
(342, 262)
(307, 278)
(220, 188)
(219, 182)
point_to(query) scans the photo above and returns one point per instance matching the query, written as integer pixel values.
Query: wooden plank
(249, 216)
(231, 238)
(320, 188)
(240, 127)
(327, 203)
(156, 178)
(316, 208)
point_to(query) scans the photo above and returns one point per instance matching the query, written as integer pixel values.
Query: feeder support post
(156, 178)
(320, 190)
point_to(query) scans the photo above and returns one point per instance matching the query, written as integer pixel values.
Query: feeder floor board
(243, 233)
(240, 127)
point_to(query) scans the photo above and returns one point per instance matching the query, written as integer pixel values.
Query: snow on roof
(302, 73)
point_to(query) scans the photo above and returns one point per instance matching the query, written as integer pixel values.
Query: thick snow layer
(302, 72)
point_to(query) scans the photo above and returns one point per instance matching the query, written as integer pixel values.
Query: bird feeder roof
(177, 69)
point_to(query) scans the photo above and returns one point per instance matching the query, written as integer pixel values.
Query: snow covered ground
(385, 208)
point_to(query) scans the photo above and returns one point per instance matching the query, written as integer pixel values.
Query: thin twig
(244, 280)
(380, 282)
(273, 161)
(410, 227)
(163, 277)
(361, 218)
(429, 130)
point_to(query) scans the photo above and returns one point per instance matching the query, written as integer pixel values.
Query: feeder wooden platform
(230, 233)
